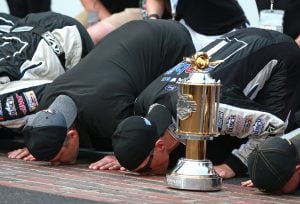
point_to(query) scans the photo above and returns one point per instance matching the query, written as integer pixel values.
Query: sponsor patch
(173, 80)
(230, 123)
(270, 128)
(220, 119)
(247, 124)
(189, 69)
(209, 69)
(11, 107)
(166, 79)
(171, 88)
(239, 125)
(53, 43)
(21, 103)
(31, 100)
(172, 128)
(179, 68)
(258, 127)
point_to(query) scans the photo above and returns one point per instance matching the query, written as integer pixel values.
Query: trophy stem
(195, 149)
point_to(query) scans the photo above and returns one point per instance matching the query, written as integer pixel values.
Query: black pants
(20, 8)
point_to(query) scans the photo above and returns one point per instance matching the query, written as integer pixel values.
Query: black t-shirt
(105, 84)
(211, 17)
(248, 54)
(115, 6)
(265, 4)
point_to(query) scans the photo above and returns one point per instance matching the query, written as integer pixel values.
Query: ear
(72, 134)
(298, 167)
(298, 40)
(160, 145)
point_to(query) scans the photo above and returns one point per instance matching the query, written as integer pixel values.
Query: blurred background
(67, 7)
(73, 7)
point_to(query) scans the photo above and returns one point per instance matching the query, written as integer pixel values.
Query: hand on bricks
(224, 171)
(247, 183)
(108, 162)
(21, 154)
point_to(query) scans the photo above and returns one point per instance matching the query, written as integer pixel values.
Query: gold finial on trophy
(201, 60)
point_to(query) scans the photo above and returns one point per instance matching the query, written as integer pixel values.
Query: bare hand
(21, 154)
(247, 183)
(108, 162)
(224, 171)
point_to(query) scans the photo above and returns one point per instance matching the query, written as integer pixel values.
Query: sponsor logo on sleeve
(53, 43)
(247, 124)
(171, 88)
(270, 128)
(258, 127)
(230, 123)
(11, 107)
(166, 79)
(172, 128)
(220, 120)
(173, 80)
(31, 100)
(237, 125)
(189, 69)
(179, 68)
(21, 103)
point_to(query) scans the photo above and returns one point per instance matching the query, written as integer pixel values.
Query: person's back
(259, 73)
(6, 22)
(237, 49)
(106, 82)
(42, 42)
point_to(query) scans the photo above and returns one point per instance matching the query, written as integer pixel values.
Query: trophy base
(197, 175)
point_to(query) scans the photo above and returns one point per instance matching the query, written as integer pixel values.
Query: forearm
(155, 7)
(96, 5)
(253, 124)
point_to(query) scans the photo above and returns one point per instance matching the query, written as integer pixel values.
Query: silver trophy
(197, 109)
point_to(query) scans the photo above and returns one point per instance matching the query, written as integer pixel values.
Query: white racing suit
(34, 51)
(242, 123)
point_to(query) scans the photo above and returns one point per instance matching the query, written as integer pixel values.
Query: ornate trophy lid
(200, 61)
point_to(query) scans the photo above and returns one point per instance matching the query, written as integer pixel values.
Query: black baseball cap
(135, 137)
(46, 130)
(291, 25)
(271, 165)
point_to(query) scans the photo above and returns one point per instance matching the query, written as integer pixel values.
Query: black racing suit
(6, 22)
(259, 78)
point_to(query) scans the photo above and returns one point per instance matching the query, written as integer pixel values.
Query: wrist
(153, 16)
(236, 165)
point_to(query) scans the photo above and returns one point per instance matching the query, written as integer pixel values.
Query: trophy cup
(197, 109)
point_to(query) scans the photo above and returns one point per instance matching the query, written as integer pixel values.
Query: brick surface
(77, 181)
